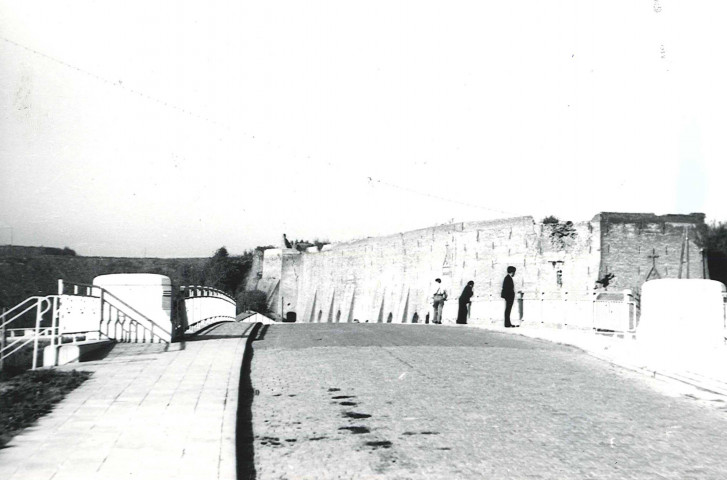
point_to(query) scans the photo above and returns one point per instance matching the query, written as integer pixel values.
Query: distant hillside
(27, 271)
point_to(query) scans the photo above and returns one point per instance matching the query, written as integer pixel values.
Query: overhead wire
(119, 84)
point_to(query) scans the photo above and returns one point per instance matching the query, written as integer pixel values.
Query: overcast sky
(171, 128)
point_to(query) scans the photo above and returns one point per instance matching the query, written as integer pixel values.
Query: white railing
(616, 315)
(195, 291)
(204, 306)
(111, 318)
(13, 344)
(614, 312)
(117, 320)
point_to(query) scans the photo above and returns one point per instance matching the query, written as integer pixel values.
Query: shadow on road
(245, 436)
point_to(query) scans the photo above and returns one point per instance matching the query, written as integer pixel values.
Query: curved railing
(204, 306)
(196, 291)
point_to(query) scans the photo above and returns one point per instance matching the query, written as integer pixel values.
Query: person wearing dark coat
(508, 293)
(464, 302)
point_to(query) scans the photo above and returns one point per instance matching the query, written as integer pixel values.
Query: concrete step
(55, 355)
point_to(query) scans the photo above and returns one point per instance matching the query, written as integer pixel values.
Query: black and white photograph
(312, 240)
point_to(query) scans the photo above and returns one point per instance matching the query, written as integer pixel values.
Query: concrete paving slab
(177, 401)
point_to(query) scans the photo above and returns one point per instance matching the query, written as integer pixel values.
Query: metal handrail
(41, 305)
(26, 310)
(42, 333)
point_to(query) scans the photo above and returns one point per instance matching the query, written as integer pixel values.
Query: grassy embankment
(29, 396)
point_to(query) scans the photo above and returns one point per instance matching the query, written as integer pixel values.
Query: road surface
(424, 401)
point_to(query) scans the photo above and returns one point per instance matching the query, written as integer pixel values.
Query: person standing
(439, 297)
(508, 293)
(465, 301)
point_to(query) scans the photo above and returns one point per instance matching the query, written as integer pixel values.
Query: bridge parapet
(94, 308)
(203, 306)
(599, 311)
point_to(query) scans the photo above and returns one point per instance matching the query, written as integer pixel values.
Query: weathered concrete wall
(256, 271)
(631, 240)
(272, 269)
(389, 279)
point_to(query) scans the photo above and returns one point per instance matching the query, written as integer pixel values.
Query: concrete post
(101, 308)
(38, 317)
(2, 338)
(520, 304)
(630, 308)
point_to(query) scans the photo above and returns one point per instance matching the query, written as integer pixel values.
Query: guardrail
(42, 306)
(602, 311)
(195, 291)
(115, 320)
(118, 320)
(204, 306)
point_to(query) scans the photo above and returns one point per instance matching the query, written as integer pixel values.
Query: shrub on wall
(606, 280)
(254, 300)
(562, 234)
(713, 239)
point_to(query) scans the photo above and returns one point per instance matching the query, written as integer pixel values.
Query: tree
(226, 272)
(713, 239)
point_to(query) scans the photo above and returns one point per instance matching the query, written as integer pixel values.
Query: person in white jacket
(439, 297)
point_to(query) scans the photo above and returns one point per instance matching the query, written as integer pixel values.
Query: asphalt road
(422, 401)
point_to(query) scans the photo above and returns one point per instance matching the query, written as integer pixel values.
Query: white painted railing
(111, 316)
(45, 310)
(82, 312)
(204, 306)
(614, 312)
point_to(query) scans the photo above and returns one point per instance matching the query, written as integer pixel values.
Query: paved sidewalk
(148, 411)
(705, 369)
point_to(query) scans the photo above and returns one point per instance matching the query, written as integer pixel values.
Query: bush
(255, 300)
(713, 239)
